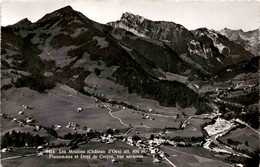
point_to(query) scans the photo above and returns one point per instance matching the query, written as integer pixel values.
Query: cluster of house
(238, 87)
(151, 147)
(109, 139)
(103, 139)
(103, 106)
(23, 109)
(72, 125)
(27, 121)
(120, 107)
(146, 116)
(4, 150)
(244, 87)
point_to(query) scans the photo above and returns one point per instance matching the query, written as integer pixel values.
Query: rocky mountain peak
(248, 40)
(66, 11)
(227, 30)
(131, 17)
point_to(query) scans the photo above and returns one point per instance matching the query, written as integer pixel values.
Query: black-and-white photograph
(129, 83)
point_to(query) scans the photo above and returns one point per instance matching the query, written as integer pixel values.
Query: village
(149, 147)
(152, 146)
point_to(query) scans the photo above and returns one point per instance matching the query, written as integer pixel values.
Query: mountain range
(205, 49)
(249, 40)
(68, 82)
(148, 57)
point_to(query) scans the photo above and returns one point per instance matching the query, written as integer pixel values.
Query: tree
(97, 71)
(152, 136)
(68, 136)
(136, 138)
(110, 131)
(19, 139)
(52, 132)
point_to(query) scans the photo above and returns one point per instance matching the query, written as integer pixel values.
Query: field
(119, 92)
(243, 135)
(193, 157)
(136, 118)
(57, 107)
(6, 126)
(192, 130)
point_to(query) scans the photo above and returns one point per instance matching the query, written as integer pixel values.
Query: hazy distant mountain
(249, 40)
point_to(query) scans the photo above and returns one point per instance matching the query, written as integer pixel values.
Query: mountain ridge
(64, 37)
(192, 47)
(247, 39)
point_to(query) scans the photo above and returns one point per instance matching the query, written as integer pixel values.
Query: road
(129, 131)
(64, 140)
(242, 122)
(19, 156)
(117, 117)
(110, 112)
(203, 116)
(161, 115)
(230, 103)
(170, 162)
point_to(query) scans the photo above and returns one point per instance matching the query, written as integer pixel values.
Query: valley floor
(58, 109)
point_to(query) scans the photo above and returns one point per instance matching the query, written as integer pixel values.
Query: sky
(215, 15)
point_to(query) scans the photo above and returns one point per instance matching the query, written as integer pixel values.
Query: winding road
(117, 117)
(110, 112)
